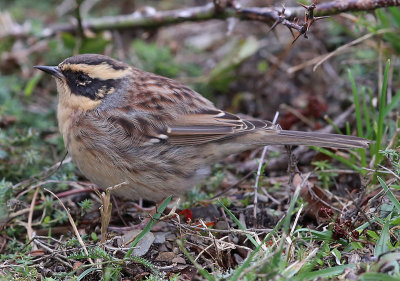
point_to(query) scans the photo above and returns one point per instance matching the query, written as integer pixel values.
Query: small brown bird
(122, 124)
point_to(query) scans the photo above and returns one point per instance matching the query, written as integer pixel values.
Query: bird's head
(83, 81)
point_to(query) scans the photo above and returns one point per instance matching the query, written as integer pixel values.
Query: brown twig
(31, 209)
(352, 43)
(207, 12)
(71, 221)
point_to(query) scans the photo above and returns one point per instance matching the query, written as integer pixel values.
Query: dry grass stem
(296, 219)
(260, 164)
(71, 221)
(106, 209)
(354, 42)
(30, 216)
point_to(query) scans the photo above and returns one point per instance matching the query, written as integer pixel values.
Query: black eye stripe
(83, 85)
(82, 77)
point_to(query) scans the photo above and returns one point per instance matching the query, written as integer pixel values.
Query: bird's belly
(94, 166)
(154, 183)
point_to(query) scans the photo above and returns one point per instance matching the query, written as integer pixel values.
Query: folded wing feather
(211, 125)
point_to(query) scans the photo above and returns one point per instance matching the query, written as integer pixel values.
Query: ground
(318, 214)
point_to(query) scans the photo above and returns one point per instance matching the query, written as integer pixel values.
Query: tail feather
(319, 139)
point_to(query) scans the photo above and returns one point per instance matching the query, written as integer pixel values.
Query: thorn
(283, 9)
(320, 18)
(274, 25)
(304, 6)
(291, 31)
(309, 23)
(296, 38)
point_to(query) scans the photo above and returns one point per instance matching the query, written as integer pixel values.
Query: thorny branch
(149, 18)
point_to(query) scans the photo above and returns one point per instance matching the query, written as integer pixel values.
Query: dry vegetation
(318, 213)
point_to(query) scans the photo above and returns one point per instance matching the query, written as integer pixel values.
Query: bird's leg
(151, 210)
(292, 167)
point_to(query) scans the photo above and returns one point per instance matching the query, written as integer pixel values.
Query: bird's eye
(81, 78)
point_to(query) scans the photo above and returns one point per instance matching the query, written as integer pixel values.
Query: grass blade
(382, 108)
(285, 221)
(390, 194)
(291, 206)
(325, 273)
(86, 272)
(382, 245)
(366, 111)
(316, 235)
(201, 270)
(392, 104)
(246, 263)
(340, 159)
(373, 276)
(149, 225)
(234, 218)
(359, 120)
(334, 126)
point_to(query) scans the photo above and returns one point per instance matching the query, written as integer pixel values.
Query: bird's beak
(52, 70)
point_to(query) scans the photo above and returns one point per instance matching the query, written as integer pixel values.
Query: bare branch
(149, 18)
(337, 7)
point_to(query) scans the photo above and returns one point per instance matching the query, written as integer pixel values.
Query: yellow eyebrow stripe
(102, 71)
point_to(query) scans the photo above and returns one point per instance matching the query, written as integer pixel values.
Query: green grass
(376, 123)
(30, 144)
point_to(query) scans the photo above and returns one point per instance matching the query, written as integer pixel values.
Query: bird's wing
(158, 110)
(211, 125)
(128, 130)
(163, 110)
